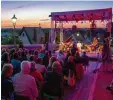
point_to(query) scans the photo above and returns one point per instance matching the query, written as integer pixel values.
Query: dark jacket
(70, 65)
(54, 84)
(6, 87)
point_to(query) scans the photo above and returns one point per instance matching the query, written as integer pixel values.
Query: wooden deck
(84, 87)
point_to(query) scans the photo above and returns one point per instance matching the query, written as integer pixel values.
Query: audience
(46, 59)
(35, 55)
(40, 67)
(3, 50)
(5, 59)
(61, 57)
(38, 72)
(51, 61)
(23, 56)
(24, 85)
(6, 82)
(16, 63)
(54, 81)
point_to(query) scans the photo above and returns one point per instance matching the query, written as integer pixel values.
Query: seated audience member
(7, 50)
(31, 58)
(67, 55)
(23, 56)
(16, 63)
(46, 59)
(19, 54)
(51, 61)
(54, 53)
(24, 84)
(36, 74)
(40, 67)
(74, 49)
(85, 60)
(54, 81)
(5, 59)
(50, 54)
(69, 65)
(3, 51)
(42, 54)
(11, 54)
(29, 54)
(6, 82)
(35, 55)
(61, 57)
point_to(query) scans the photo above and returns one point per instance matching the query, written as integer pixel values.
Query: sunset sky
(31, 13)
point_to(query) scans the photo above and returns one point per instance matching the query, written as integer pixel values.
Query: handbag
(71, 79)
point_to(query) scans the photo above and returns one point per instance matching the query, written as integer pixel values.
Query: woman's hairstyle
(56, 67)
(5, 57)
(6, 69)
(52, 60)
(25, 67)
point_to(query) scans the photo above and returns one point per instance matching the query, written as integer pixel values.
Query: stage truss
(104, 15)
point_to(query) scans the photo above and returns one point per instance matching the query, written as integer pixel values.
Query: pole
(14, 36)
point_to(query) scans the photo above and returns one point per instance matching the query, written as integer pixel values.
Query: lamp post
(14, 24)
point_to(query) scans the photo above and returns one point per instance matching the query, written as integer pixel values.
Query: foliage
(10, 30)
(9, 40)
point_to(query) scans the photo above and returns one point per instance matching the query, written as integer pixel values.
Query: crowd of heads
(42, 57)
(25, 61)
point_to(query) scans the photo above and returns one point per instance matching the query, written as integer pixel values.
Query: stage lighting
(78, 34)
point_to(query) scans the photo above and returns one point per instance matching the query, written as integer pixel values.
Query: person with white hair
(24, 84)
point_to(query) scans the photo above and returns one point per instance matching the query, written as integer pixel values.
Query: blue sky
(39, 10)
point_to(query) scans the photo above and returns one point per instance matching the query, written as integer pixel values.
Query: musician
(95, 41)
(74, 49)
(79, 46)
(94, 44)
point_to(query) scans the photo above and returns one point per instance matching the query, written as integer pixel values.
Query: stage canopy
(83, 15)
(98, 14)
